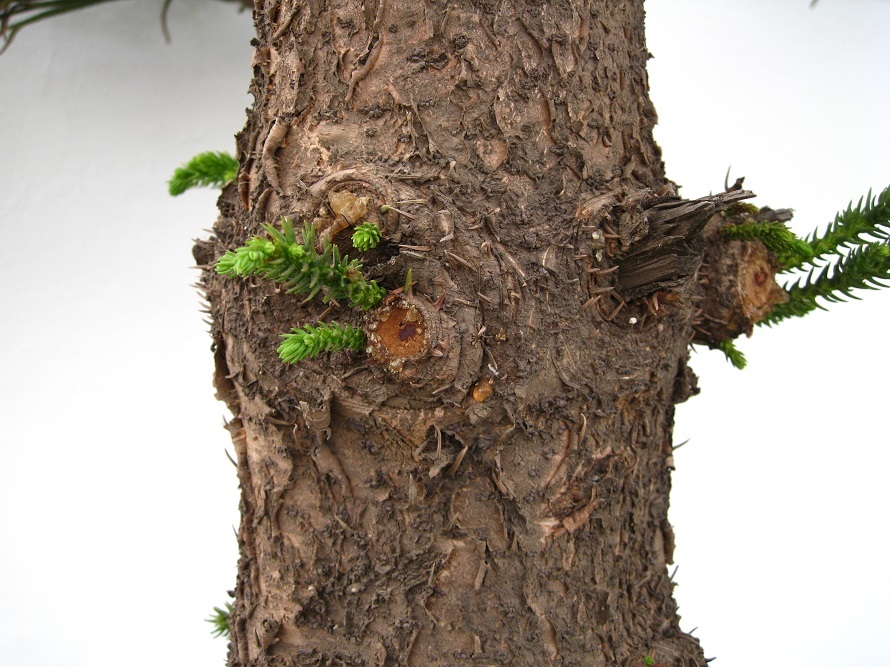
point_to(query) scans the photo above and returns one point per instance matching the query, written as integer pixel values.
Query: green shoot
(733, 354)
(366, 236)
(311, 340)
(852, 254)
(300, 267)
(205, 170)
(865, 267)
(871, 217)
(219, 619)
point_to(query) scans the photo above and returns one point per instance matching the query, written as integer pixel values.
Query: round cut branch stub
(398, 331)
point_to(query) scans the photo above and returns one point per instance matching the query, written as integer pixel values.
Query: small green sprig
(300, 267)
(853, 253)
(366, 236)
(788, 248)
(219, 619)
(309, 340)
(865, 267)
(870, 217)
(210, 169)
(733, 354)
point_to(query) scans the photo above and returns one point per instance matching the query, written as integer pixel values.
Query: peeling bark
(490, 484)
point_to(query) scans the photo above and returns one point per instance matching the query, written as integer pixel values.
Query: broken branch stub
(665, 241)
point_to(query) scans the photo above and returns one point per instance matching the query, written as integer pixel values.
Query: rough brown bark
(496, 493)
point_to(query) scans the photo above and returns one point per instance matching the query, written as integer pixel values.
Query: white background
(116, 500)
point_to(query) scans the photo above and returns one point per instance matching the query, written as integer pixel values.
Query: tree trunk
(488, 483)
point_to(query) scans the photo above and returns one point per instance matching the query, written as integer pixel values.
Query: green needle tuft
(219, 619)
(366, 236)
(301, 268)
(853, 253)
(205, 170)
(865, 267)
(733, 354)
(871, 217)
(312, 340)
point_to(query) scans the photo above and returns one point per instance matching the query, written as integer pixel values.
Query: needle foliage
(852, 254)
(210, 169)
(853, 227)
(302, 269)
(366, 236)
(733, 354)
(219, 619)
(16, 14)
(864, 267)
(309, 340)
(295, 263)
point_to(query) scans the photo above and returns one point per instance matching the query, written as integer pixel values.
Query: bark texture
(491, 486)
